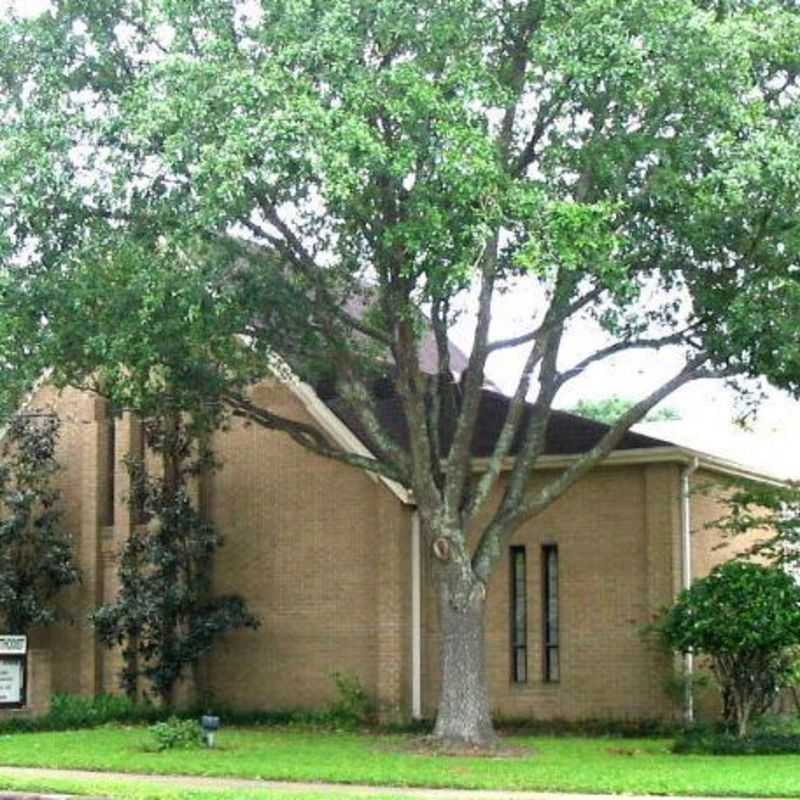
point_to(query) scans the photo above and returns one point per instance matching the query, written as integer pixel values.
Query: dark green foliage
(589, 728)
(771, 511)
(746, 618)
(77, 711)
(175, 733)
(35, 550)
(352, 706)
(72, 712)
(724, 743)
(165, 617)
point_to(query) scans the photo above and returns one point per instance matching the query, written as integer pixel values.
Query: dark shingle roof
(567, 434)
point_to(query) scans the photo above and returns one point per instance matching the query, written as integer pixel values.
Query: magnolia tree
(35, 549)
(189, 189)
(165, 616)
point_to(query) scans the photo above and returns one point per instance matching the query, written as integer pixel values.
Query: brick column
(393, 607)
(39, 680)
(663, 552)
(90, 591)
(127, 442)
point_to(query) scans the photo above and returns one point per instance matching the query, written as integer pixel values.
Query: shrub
(589, 727)
(705, 741)
(74, 711)
(175, 733)
(746, 618)
(71, 711)
(352, 707)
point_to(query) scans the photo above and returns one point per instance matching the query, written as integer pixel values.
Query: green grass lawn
(559, 764)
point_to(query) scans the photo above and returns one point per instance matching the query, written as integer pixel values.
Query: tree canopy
(350, 145)
(193, 193)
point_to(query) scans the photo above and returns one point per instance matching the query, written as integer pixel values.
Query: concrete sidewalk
(197, 782)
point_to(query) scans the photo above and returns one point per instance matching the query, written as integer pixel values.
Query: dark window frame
(551, 645)
(518, 616)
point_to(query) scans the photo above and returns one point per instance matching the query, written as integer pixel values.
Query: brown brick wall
(73, 662)
(709, 546)
(321, 554)
(614, 531)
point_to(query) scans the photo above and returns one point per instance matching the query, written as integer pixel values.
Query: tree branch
(442, 382)
(504, 524)
(458, 459)
(311, 271)
(545, 118)
(361, 402)
(548, 324)
(619, 347)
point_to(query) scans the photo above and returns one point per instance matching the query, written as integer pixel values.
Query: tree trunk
(742, 720)
(463, 717)
(796, 698)
(743, 706)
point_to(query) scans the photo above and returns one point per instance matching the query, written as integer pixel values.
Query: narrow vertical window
(519, 623)
(552, 667)
(110, 467)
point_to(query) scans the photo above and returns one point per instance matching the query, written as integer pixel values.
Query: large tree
(188, 189)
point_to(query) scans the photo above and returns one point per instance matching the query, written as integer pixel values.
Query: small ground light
(210, 725)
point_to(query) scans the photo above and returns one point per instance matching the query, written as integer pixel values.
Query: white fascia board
(651, 455)
(332, 425)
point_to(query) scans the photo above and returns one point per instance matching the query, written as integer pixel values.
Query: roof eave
(652, 455)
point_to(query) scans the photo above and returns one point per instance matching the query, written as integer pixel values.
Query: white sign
(13, 645)
(11, 680)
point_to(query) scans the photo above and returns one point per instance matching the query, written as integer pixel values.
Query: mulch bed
(428, 746)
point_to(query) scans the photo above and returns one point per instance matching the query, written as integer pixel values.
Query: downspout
(416, 617)
(686, 576)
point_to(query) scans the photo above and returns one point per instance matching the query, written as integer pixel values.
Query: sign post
(13, 658)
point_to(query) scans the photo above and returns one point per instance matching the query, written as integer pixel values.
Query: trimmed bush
(746, 618)
(724, 743)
